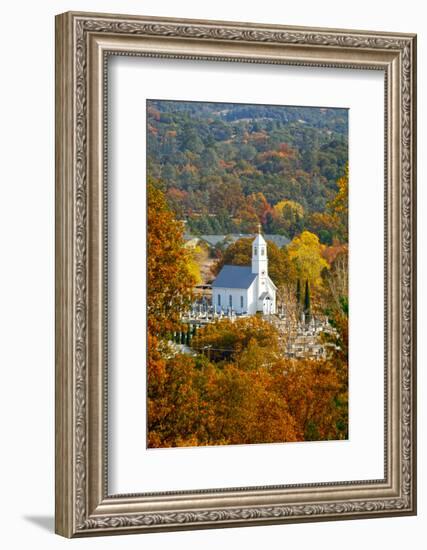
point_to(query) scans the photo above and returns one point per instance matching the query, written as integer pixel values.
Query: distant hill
(224, 166)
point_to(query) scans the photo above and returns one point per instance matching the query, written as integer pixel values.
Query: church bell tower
(259, 257)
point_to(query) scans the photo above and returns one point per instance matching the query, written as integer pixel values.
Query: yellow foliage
(338, 208)
(305, 251)
(289, 206)
(194, 270)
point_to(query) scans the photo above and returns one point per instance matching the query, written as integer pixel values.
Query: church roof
(213, 240)
(234, 276)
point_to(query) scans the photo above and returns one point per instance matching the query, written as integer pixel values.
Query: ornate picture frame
(84, 42)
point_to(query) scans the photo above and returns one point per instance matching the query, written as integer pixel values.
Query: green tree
(307, 303)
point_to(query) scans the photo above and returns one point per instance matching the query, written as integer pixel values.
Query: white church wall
(252, 298)
(236, 295)
(251, 302)
(272, 292)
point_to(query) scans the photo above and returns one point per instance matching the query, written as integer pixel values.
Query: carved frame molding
(83, 43)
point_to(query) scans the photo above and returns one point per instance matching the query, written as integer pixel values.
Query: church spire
(259, 254)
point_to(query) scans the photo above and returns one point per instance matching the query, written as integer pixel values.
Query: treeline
(218, 161)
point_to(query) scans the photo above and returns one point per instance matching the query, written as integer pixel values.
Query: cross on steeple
(259, 229)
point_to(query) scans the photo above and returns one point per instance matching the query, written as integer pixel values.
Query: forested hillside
(225, 168)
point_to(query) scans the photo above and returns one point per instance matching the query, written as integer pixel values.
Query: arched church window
(262, 251)
(230, 300)
(255, 250)
(241, 302)
(219, 299)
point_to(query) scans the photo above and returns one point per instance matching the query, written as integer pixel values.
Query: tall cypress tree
(307, 302)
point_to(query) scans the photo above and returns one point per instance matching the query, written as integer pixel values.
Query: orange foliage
(338, 208)
(256, 136)
(174, 193)
(261, 206)
(153, 113)
(223, 164)
(309, 388)
(283, 152)
(254, 396)
(190, 168)
(169, 281)
(236, 336)
(330, 253)
(321, 220)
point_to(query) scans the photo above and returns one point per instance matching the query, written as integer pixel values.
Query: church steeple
(259, 255)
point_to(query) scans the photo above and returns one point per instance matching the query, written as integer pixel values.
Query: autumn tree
(169, 280)
(338, 208)
(176, 200)
(227, 196)
(336, 341)
(244, 409)
(234, 337)
(261, 206)
(336, 289)
(237, 253)
(288, 303)
(305, 251)
(197, 258)
(322, 224)
(336, 344)
(246, 217)
(173, 407)
(332, 224)
(310, 389)
(289, 216)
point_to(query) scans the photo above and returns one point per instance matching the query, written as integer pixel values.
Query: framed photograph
(235, 274)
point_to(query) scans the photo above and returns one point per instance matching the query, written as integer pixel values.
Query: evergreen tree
(307, 302)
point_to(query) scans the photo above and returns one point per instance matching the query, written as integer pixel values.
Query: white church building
(246, 289)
